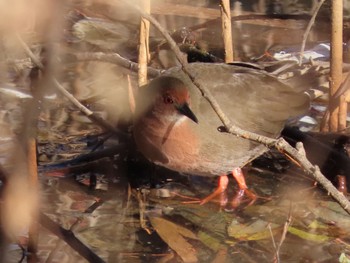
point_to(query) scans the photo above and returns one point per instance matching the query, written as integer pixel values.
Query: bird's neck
(159, 124)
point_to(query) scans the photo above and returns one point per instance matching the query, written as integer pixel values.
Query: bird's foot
(237, 199)
(221, 193)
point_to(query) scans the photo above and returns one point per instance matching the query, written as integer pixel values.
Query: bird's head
(168, 98)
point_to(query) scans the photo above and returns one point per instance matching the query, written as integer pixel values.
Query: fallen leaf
(210, 241)
(255, 231)
(173, 235)
(307, 236)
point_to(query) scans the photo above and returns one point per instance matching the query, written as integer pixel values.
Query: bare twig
(142, 209)
(280, 144)
(308, 29)
(273, 242)
(284, 233)
(114, 58)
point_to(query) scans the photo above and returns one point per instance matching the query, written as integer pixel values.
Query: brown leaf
(173, 235)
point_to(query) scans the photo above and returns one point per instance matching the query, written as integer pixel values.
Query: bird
(176, 127)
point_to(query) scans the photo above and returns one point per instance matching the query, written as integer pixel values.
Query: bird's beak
(185, 110)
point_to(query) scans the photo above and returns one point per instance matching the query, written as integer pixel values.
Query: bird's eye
(168, 100)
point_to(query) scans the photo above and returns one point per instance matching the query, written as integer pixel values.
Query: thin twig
(142, 209)
(284, 234)
(273, 240)
(308, 29)
(114, 58)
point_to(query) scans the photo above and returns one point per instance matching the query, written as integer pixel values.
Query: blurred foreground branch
(90, 114)
(114, 58)
(69, 237)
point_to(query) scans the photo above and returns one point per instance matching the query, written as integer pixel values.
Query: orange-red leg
(237, 173)
(220, 190)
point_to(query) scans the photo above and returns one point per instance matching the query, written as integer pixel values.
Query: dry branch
(114, 58)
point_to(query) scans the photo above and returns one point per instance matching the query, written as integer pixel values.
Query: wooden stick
(33, 235)
(336, 62)
(227, 30)
(144, 47)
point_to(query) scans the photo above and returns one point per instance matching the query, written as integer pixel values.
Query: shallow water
(124, 209)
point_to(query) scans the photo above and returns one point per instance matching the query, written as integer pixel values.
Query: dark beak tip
(186, 110)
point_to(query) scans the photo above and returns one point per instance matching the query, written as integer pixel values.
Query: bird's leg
(222, 186)
(243, 189)
(220, 190)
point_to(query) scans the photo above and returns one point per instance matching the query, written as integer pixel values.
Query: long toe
(219, 191)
